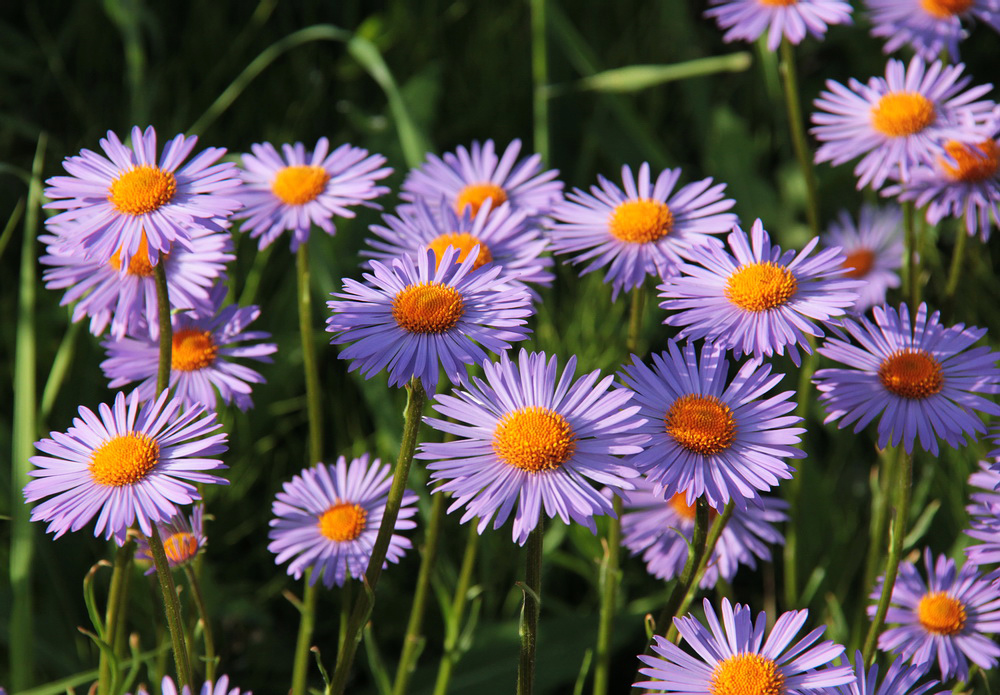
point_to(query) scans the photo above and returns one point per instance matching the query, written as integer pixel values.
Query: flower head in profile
(465, 179)
(641, 230)
(112, 204)
(183, 538)
(923, 379)
(418, 316)
(733, 656)
(327, 519)
(528, 437)
(296, 189)
(948, 617)
(929, 27)
(900, 679)
(757, 300)
(748, 20)
(128, 465)
(984, 510)
(220, 687)
(708, 435)
(873, 249)
(899, 121)
(203, 366)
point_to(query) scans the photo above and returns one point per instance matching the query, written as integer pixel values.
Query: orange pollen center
(859, 262)
(343, 522)
(974, 162)
(945, 9)
(534, 439)
(180, 547)
(761, 286)
(124, 460)
(679, 504)
(299, 184)
(746, 674)
(193, 349)
(139, 263)
(940, 613)
(702, 424)
(641, 221)
(141, 190)
(427, 307)
(464, 242)
(475, 194)
(777, 3)
(899, 114)
(911, 373)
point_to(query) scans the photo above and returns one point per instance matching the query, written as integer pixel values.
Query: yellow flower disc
(475, 194)
(702, 424)
(343, 522)
(859, 263)
(534, 439)
(193, 349)
(641, 221)
(946, 9)
(427, 307)
(899, 114)
(747, 674)
(911, 373)
(464, 242)
(299, 185)
(180, 547)
(973, 163)
(940, 613)
(761, 286)
(124, 460)
(142, 190)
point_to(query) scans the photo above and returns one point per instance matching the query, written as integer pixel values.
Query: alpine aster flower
(220, 687)
(748, 20)
(984, 512)
(183, 538)
(874, 249)
(929, 27)
(899, 680)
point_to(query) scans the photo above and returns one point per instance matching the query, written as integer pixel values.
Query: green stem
(696, 551)
(897, 532)
(166, 328)
(453, 629)
(307, 622)
(206, 623)
(540, 77)
(414, 640)
(346, 594)
(957, 256)
(912, 289)
(172, 609)
(313, 387)
(113, 612)
(530, 610)
(881, 502)
(366, 597)
(789, 82)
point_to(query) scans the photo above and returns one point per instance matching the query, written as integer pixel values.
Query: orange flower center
(343, 522)
(911, 373)
(193, 349)
(746, 674)
(687, 511)
(141, 190)
(139, 263)
(534, 439)
(940, 613)
(475, 194)
(777, 3)
(702, 424)
(946, 9)
(427, 307)
(899, 114)
(124, 460)
(859, 262)
(299, 184)
(761, 286)
(974, 162)
(180, 547)
(641, 221)
(464, 242)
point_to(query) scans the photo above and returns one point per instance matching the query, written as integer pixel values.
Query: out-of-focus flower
(748, 20)
(183, 538)
(874, 250)
(928, 26)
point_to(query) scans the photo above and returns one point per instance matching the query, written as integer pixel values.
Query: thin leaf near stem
(790, 86)
(453, 629)
(307, 623)
(206, 623)
(113, 615)
(530, 610)
(314, 395)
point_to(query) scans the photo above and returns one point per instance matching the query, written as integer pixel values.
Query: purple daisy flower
(984, 512)
(748, 20)
(204, 347)
(129, 466)
(899, 121)
(874, 249)
(758, 301)
(183, 538)
(734, 657)
(327, 519)
(125, 301)
(297, 189)
(650, 526)
(466, 179)
(920, 377)
(416, 318)
(948, 616)
(504, 236)
(526, 438)
(928, 26)
(113, 203)
(708, 437)
(220, 687)
(642, 230)
(899, 680)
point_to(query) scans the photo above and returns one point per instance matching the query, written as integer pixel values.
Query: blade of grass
(12, 221)
(633, 78)
(60, 368)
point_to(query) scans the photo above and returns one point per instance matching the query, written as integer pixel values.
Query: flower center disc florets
(946, 9)
(124, 460)
(180, 547)
(859, 263)
(940, 613)
(974, 162)
(141, 190)
(747, 674)
(427, 307)
(464, 242)
(475, 194)
(299, 185)
(641, 221)
(911, 373)
(777, 3)
(899, 114)
(761, 286)
(139, 264)
(193, 349)
(702, 424)
(534, 439)
(343, 522)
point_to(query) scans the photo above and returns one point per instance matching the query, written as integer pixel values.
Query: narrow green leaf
(60, 368)
(634, 78)
(8, 231)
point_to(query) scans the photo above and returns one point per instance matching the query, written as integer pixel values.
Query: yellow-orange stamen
(973, 163)
(702, 424)
(427, 307)
(746, 674)
(911, 373)
(193, 349)
(180, 547)
(141, 190)
(464, 242)
(534, 439)
(761, 286)
(343, 522)
(297, 185)
(859, 262)
(940, 613)
(899, 114)
(139, 263)
(475, 194)
(777, 3)
(946, 9)
(124, 460)
(641, 221)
